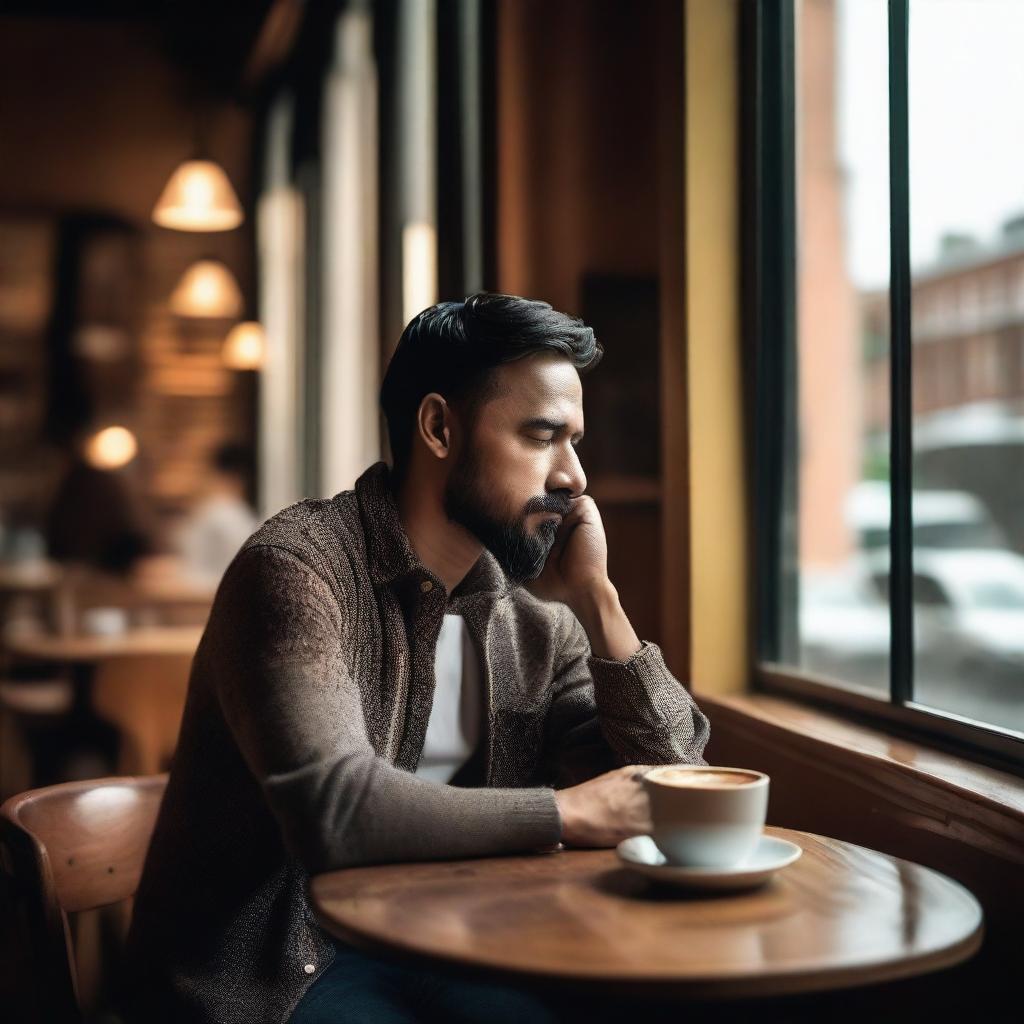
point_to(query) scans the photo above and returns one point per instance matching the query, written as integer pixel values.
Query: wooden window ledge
(929, 790)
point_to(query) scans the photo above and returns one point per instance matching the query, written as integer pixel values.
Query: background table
(840, 916)
(129, 693)
(29, 576)
(78, 648)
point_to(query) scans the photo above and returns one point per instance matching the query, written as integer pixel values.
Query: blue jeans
(361, 989)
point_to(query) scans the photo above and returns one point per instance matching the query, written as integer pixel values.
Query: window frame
(768, 209)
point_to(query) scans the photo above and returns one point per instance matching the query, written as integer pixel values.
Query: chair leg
(88, 958)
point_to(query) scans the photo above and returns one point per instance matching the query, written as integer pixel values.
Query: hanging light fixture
(111, 448)
(207, 289)
(198, 197)
(244, 346)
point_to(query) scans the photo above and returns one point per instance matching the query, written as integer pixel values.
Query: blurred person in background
(95, 519)
(221, 521)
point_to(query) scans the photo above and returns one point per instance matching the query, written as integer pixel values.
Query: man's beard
(520, 554)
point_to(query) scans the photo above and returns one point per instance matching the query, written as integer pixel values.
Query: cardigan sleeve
(605, 713)
(295, 712)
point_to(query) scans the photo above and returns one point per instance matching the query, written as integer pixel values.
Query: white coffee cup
(705, 815)
(104, 621)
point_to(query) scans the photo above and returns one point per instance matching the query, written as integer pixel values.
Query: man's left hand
(576, 573)
(578, 560)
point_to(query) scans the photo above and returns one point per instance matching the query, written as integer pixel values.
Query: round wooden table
(841, 916)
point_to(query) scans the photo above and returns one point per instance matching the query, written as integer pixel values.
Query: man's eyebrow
(543, 423)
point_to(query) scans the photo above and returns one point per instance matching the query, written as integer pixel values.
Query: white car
(942, 519)
(968, 611)
(844, 628)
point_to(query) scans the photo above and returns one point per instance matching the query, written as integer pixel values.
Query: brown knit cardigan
(305, 719)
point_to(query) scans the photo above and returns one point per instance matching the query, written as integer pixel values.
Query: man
(321, 688)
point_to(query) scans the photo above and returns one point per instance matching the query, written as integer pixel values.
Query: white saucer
(641, 854)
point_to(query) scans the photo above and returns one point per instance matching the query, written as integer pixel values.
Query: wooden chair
(68, 848)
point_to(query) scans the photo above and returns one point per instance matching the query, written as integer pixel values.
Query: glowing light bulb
(198, 197)
(244, 346)
(111, 448)
(207, 289)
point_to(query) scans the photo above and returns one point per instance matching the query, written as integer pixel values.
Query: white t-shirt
(454, 726)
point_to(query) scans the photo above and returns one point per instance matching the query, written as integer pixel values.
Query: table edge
(781, 981)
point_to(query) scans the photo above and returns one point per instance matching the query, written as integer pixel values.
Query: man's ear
(433, 424)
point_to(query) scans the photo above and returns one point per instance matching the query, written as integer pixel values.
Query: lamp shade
(111, 448)
(244, 345)
(198, 197)
(207, 289)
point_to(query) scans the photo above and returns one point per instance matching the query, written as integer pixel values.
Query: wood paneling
(95, 118)
(584, 88)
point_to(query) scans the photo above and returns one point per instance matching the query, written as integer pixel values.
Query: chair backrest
(144, 696)
(71, 847)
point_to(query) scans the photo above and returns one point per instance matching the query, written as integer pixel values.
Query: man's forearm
(607, 626)
(366, 811)
(646, 715)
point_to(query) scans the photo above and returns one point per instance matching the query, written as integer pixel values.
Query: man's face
(513, 476)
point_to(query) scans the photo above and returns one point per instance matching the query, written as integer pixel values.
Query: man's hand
(576, 573)
(578, 560)
(607, 809)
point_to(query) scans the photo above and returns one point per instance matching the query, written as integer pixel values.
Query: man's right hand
(607, 809)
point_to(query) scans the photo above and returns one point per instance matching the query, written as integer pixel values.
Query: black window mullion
(901, 570)
(771, 324)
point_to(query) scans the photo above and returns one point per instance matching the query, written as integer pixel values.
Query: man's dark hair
(453, 348)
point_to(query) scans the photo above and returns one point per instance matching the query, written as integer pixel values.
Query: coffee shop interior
(797, 229)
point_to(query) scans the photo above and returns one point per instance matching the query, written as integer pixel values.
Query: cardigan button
(309, 968)
(426, 586)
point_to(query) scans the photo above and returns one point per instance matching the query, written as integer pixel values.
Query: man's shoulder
(324, 533)
(311, 524)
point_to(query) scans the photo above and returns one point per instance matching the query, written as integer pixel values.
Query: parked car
(950, 520)
(844, 628)
(968, 611)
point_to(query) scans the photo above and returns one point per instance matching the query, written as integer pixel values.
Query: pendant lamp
(244, 346)
(207, 289)
(198, 197)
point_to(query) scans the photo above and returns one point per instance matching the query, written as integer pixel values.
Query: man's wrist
(563, 799)
(607, 627)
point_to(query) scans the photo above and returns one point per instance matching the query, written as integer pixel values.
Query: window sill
(984, 805)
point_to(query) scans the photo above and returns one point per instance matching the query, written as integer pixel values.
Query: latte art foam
(703, 779)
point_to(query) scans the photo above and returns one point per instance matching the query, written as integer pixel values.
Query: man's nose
(569, 475)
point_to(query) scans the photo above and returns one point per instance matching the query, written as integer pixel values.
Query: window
(888, 444)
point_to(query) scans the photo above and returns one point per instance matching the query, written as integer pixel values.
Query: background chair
(64, 849)
(144, 697)
(33, 712)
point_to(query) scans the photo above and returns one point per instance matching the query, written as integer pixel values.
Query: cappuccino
(706, 816)
(682, 777)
